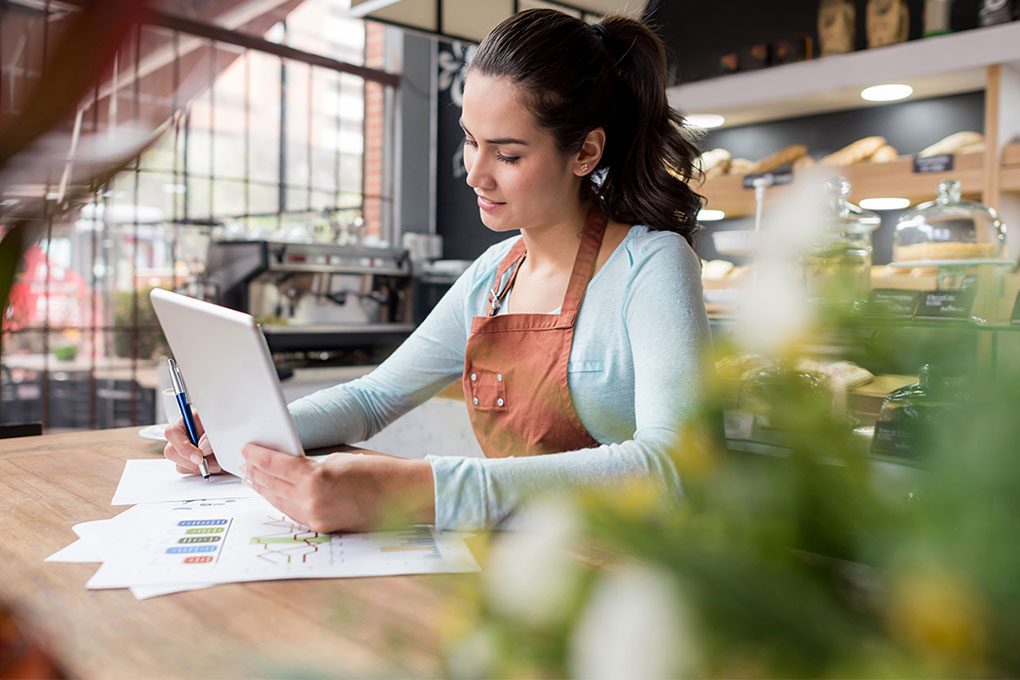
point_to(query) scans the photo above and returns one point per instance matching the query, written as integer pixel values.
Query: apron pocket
(591, 366)
(487, 391)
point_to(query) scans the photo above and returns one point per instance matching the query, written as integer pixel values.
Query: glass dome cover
(949, 229)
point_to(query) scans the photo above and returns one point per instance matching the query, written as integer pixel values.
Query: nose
(478, 175)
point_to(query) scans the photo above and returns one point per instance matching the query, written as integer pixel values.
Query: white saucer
(154, 432)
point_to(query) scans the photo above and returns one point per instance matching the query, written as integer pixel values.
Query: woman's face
(521, 178)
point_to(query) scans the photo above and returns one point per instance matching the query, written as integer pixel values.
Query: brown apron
(515, 365)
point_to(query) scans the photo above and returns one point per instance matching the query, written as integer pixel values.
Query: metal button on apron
(499, 377)
(499, 402)
(474, 377)
(475, 401)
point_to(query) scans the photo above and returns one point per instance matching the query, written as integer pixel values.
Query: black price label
(776, 178)
(893, 302)
(942, 163)
(1015, 316)
(946, 304)
(893, 439)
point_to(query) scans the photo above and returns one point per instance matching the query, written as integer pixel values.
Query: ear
(591, 152)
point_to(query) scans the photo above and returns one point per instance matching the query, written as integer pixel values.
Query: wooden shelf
(872, 180)
(936, 66)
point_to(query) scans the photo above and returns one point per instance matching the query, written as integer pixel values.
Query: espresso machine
(317, 302)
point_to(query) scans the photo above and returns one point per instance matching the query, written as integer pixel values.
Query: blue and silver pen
(189, 419)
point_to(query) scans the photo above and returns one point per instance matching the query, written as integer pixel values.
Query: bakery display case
(937, 304)
(949, 231)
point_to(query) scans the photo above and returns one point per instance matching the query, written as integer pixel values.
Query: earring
(584, 167)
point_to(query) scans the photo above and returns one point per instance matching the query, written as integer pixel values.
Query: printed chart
(247, 539)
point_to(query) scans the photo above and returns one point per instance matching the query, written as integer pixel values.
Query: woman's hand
(344, 491)
(183, 453)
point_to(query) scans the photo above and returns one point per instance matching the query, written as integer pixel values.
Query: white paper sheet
(79, 551)
(156, 480)
(104, 539)
(231, 540)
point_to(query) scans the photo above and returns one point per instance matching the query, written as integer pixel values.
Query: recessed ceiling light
(707, 215)
(886, 93)
(704, 120)
(885, 203)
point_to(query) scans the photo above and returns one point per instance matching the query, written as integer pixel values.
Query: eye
(509, 160)
(470, 142)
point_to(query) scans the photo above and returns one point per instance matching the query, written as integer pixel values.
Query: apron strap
(512, 259)
(584, 263)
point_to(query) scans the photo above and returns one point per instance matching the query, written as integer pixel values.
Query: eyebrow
(500, 140)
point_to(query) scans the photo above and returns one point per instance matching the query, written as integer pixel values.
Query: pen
(189, 419)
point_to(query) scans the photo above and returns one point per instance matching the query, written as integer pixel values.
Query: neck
(553, 246)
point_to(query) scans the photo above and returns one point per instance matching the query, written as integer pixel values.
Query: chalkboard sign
(1015, 316)
(942, 163)
(893, 438)
(785, 177)
(945, 304)
(893, 302)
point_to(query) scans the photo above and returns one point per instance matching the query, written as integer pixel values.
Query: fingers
(268, 488)
(210, 458)
(277, 464)
(186, 455)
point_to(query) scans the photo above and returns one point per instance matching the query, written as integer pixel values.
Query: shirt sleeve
(430, 359)
(663, 316)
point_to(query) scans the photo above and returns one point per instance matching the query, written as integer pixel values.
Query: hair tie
(601, 30)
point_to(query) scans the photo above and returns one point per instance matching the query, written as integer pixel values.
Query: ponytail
(577, 77)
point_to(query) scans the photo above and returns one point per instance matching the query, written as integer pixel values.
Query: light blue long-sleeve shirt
(634, 376)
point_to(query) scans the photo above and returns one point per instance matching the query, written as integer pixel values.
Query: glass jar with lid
(949, 230)
(837, 268)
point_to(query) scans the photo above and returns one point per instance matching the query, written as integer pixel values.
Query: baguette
(855, 152)
(778, 159)
(740, 166)
(884, 154)
(804, 161)
(712, 159)
(952, 144)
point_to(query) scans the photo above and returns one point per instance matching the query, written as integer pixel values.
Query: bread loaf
(855, 152)
(778, 159)
(714, 162)
(740, 166)
(952, 144)
(884, 154)
(804, 161)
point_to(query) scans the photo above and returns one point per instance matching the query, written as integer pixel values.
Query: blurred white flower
(531, 573)
(634, 626)
(775, 311)
(474, 656)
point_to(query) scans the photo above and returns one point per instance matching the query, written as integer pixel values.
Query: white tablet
(229, 376)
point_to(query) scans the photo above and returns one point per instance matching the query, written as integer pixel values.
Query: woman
(580, 338)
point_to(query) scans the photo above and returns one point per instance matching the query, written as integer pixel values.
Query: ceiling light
(704, 120)
(886, 93)
(885, 203)
(707, 215)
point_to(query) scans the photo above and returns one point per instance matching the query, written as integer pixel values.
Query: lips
(487, 204)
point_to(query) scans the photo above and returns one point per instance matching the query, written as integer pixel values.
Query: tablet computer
(229, 376)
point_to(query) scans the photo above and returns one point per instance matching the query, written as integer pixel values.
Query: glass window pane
(325, 128)
(263, 198)
(264, 117)
(199, 193)
(229, 93)
(229, 198)
(298, 199)
(297, 108)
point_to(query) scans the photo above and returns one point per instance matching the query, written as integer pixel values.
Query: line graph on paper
(291, 542)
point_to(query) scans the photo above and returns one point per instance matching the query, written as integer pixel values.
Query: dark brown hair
(577, 77)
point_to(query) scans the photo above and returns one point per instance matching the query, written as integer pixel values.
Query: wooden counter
(379, 627)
